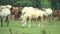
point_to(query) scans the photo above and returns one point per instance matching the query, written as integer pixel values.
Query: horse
(30, 12)
(56, 13)
(5, 13)
(16, 12)
(49, 13)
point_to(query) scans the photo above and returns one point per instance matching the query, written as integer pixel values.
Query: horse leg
(48, 18)
(42, 19)
(23, 22)
(13, 17)
(32, 23)
(7, 20)
(29, 23)
(51, 17)
(1, 22)
(38, 25)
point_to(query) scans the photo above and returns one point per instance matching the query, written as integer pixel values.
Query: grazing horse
(16, 12)
(49, 12)
(4, 13)
(56, 13)
(30, 12)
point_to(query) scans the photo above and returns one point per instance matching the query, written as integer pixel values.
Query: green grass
(50, 27)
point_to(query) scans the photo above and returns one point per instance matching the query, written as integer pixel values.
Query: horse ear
(11, 8)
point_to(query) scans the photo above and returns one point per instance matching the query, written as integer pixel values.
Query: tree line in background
(55, 4)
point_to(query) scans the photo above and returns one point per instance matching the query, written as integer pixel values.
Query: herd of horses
(27, 13)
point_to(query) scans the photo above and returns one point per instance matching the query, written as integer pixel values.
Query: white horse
(4, 13)
(30, 12)
(49, 12)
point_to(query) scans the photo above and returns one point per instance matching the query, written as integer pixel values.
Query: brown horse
(56, 13)
(16, 12)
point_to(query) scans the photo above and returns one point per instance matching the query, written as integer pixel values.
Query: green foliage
(45, 3)
(23, 3)
(55, 4)
(34, 3)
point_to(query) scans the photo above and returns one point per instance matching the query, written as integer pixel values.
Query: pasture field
(50, 27)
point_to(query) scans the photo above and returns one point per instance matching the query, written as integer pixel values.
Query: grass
(50, 27)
